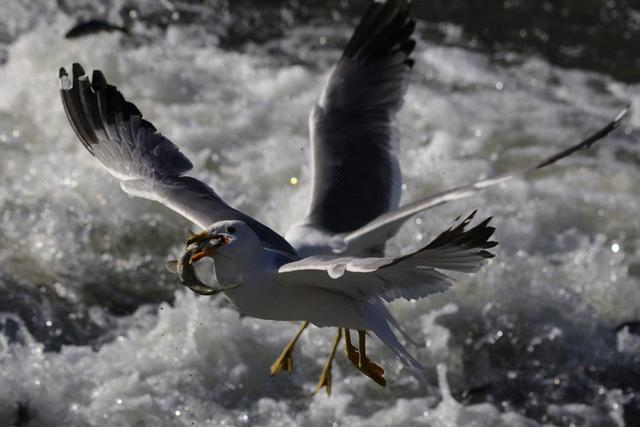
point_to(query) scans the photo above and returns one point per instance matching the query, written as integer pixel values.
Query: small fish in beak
(198, 246)
(187, 273)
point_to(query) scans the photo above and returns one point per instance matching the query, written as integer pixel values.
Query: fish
(186, 272)
(93, 26)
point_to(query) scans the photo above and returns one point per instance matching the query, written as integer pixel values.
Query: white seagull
(342, 278)
(338, 291)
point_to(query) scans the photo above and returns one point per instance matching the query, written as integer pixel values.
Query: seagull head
(224, 238)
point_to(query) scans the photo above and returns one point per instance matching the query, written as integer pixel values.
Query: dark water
(589, 34)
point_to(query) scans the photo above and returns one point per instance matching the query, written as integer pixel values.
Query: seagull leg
(325, 377)
(285, 360)
(360, 360)
(366, 365)
(361, 345)
(350, 349)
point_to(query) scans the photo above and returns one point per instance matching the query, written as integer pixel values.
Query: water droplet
(293, 180)
(15, 133)
(499, 85)
(477, 133)
(322, 40)
(615, 248)
(178, 413)
(119, 401)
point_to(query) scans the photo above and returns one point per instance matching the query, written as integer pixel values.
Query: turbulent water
(94, 331)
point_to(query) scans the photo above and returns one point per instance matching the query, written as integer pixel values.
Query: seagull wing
(148, 164)
(412, 276)
(352, 127)
(385, 225)
(368, 281)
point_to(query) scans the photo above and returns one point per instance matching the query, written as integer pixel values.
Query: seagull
(354, 204)
(339, 291)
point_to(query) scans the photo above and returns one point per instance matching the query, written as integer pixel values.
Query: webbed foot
(325, 376)
(285, 360)
(360, 360)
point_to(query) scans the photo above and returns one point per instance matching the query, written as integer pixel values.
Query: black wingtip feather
(383, 29)
(97, 80)
(408, 47)
(130, 109)
(110, 102)
(408, 28)
(487, 254)
(476, 237)
(77, 70)
(110, 127)
(71, 95)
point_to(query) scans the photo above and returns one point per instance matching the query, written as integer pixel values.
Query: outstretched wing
(148, 164)
(412, 276)
(383, 227)
(356, 174)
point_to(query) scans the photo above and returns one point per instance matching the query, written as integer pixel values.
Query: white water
(530, 340)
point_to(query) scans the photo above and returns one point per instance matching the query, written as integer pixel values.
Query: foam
(530, 340)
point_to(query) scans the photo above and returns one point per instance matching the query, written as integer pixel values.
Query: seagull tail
(378, 319)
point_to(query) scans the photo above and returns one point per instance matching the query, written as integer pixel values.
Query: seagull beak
(208, 246)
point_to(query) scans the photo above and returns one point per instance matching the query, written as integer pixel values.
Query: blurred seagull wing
(148, 164)
(385, 225)
(356, 174)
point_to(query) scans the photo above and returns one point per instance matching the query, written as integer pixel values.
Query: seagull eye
(231, 229)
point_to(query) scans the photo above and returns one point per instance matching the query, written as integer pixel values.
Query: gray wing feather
(352, 128)
(385, 225)
(148, 164)
(412, 276)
